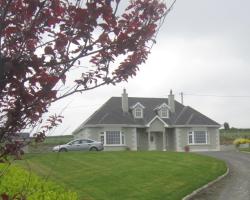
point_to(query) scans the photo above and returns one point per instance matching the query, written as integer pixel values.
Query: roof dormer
(137, 110)
(163, 110)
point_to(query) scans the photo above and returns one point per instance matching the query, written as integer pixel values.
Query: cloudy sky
(203, 50)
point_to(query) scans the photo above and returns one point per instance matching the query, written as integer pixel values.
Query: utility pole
(181, 97)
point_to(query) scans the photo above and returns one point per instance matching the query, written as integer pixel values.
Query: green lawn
(245, 149)
(127, 175)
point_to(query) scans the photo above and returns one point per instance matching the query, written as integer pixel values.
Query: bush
(237, 142)
(21, 184)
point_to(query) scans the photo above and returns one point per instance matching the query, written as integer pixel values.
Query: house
(150, 124)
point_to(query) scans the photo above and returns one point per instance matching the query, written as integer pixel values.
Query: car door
(84, 146)
(75, 145)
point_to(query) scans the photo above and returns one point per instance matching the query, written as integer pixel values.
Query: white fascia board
(162, 105)
(76, 131)
(137, 104)
(157, 117)
(114, 125)
(196, 126)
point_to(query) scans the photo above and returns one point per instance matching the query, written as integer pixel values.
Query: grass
(245, 149)
(127, 175)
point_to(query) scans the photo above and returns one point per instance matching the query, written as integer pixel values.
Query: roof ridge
(182, 111)
(190, 118)
(202, 114)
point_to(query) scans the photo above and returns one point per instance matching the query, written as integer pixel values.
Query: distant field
(58, 139)
(228, 136)
(127, 175)
(49, 142)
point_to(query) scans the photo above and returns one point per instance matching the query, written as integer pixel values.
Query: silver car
(80, 145)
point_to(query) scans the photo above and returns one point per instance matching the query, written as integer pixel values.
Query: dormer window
(164, 112)
(137, 110)
(138, 113)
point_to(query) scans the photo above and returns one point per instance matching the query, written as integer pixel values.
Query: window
(164, 112)
(197, 137)
(123, 139)
(102, 137)
(138, 113)
(112, 138)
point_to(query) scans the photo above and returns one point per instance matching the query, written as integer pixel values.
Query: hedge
(240, 141)
(18, 183)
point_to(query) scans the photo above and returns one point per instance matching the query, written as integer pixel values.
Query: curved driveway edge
(195, 192)
(234, 186)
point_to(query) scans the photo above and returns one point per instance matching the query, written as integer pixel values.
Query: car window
(75, 142)
(83, 141)
(89, 141)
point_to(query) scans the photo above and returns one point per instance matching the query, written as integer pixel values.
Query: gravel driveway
(236, 186)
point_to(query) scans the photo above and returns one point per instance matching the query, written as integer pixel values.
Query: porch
(156, 140)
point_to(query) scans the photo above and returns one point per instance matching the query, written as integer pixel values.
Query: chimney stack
(171, 101)
(124, 101)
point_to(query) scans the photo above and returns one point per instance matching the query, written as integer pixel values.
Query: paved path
(236, 186)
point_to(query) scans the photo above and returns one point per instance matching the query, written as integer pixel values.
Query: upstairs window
(138, 113)
(164, 112)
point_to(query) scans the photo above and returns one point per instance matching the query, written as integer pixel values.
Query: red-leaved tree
(41, 41)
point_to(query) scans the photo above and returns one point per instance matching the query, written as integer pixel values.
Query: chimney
(124, 101)
(171, 102)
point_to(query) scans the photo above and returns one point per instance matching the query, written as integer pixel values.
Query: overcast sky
(202, 49)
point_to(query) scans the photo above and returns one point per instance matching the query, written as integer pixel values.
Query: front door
(152, 141)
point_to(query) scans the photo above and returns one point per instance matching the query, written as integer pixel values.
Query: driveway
(236, 185)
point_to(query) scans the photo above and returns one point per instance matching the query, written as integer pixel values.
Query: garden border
(189, 196)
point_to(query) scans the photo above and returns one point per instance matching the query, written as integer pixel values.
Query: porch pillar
(149, 134)
(164, 140)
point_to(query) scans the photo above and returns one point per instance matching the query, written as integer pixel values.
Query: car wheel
(63, 150)
(93, 149)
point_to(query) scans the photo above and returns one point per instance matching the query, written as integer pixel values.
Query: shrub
(237, 142)
(18, 183)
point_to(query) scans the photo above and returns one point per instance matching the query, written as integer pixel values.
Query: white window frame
(122, 138)
(192, 134)
(167, 112)
(138, 110)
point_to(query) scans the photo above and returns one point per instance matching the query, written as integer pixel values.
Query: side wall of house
(171, 139)
(213, 139)
(130, 138)
(142, 139)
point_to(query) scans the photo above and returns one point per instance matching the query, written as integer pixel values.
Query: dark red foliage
(42, 40)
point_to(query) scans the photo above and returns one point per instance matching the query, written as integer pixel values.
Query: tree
(226, 126)
(42, 41)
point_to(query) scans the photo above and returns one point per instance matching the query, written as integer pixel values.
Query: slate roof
(111, 113)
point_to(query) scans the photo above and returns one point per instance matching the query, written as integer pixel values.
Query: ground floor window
(112, 138)
(197, 137)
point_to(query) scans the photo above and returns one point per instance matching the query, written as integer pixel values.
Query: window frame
(138, 110)
(121, 138)
(167, 112)
(192, 140)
